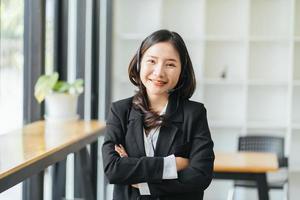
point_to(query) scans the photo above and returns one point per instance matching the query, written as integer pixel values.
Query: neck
(158, 102)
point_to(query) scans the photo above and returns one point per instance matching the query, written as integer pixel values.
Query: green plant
(50, 83)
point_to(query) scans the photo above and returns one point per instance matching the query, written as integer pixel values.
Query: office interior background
(246, 57)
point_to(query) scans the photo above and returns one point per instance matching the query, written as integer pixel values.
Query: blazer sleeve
(126, 170)
(198, 175)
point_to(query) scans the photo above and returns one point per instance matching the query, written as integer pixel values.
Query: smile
(158, 82)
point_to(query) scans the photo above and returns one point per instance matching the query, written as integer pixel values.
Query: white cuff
(170, 170)
(144, 189)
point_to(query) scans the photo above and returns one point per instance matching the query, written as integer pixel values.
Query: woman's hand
(181, 163)
(121, 151)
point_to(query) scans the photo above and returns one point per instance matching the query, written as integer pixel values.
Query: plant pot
(61, 107)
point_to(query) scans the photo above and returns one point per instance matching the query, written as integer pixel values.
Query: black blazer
(186, 128)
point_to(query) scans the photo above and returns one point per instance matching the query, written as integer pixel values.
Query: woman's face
(160, 68)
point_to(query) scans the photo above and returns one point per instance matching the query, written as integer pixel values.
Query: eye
(171, 65)
(150, 61)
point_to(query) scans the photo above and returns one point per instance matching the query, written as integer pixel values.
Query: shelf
(193, 38)
(296, 106)
(270, 18)
(267, 83)
(296, 71)
(243, 53)
(225, 140)
(225, 124)
(231, 109)
(296, 126)
(279, 131)
(231, 61)
(131, 15)
(122, 90)
(296, 83)
(125, 47)
(224, 38)
(269, 39)
(223, 82)
(232, 12)
(268, 61)
(297, 38)
(267, 104)
(196, 52)
(131, 36)
(266, 125)
(294, 169)
(124, 57)
(142, 36)
(297, 18)
(294, 161)
(172, 19)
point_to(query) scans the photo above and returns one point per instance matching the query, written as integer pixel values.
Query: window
(11, 64)
(11, 74)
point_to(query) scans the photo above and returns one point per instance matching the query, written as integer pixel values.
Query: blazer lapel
(167, 135)
(135, 129)
(165, 140)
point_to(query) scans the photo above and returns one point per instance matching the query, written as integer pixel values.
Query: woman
(157, 143)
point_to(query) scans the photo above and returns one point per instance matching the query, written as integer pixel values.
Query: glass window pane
(11, 74)
(49, 46)
(11, 64)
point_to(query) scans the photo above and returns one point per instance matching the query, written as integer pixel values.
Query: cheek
(176, 76)
(143, 75)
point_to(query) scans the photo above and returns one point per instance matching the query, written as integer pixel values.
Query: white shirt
(170, 170)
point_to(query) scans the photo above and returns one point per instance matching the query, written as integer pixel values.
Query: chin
(157, 93)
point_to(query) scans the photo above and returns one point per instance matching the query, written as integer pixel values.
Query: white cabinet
(246, 56)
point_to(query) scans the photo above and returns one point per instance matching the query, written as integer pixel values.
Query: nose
(158, 70)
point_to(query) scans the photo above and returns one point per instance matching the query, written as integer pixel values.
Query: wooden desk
(28, 151)
(246, 166)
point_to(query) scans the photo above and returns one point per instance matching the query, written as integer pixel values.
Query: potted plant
(60, 97)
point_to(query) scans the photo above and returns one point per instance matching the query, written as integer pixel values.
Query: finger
(118, 148)
(120, 151)
(120, 154)
(123, 149)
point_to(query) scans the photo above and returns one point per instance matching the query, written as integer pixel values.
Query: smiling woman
(160, 71)
(157, 143)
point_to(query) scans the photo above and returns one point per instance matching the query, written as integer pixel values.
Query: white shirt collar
(164, 109)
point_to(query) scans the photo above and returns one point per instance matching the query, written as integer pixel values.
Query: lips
(158, 82)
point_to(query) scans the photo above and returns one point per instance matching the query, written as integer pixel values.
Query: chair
(276, 180)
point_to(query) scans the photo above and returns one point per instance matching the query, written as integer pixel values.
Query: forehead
(163, 50)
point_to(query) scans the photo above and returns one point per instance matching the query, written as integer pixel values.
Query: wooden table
(29, 150)
(246, 166)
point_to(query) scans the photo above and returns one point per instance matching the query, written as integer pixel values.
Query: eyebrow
(169, 59)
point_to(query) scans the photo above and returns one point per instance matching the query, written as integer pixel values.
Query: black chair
(255, 143)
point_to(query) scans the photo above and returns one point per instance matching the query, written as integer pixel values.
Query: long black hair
(186, 83)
